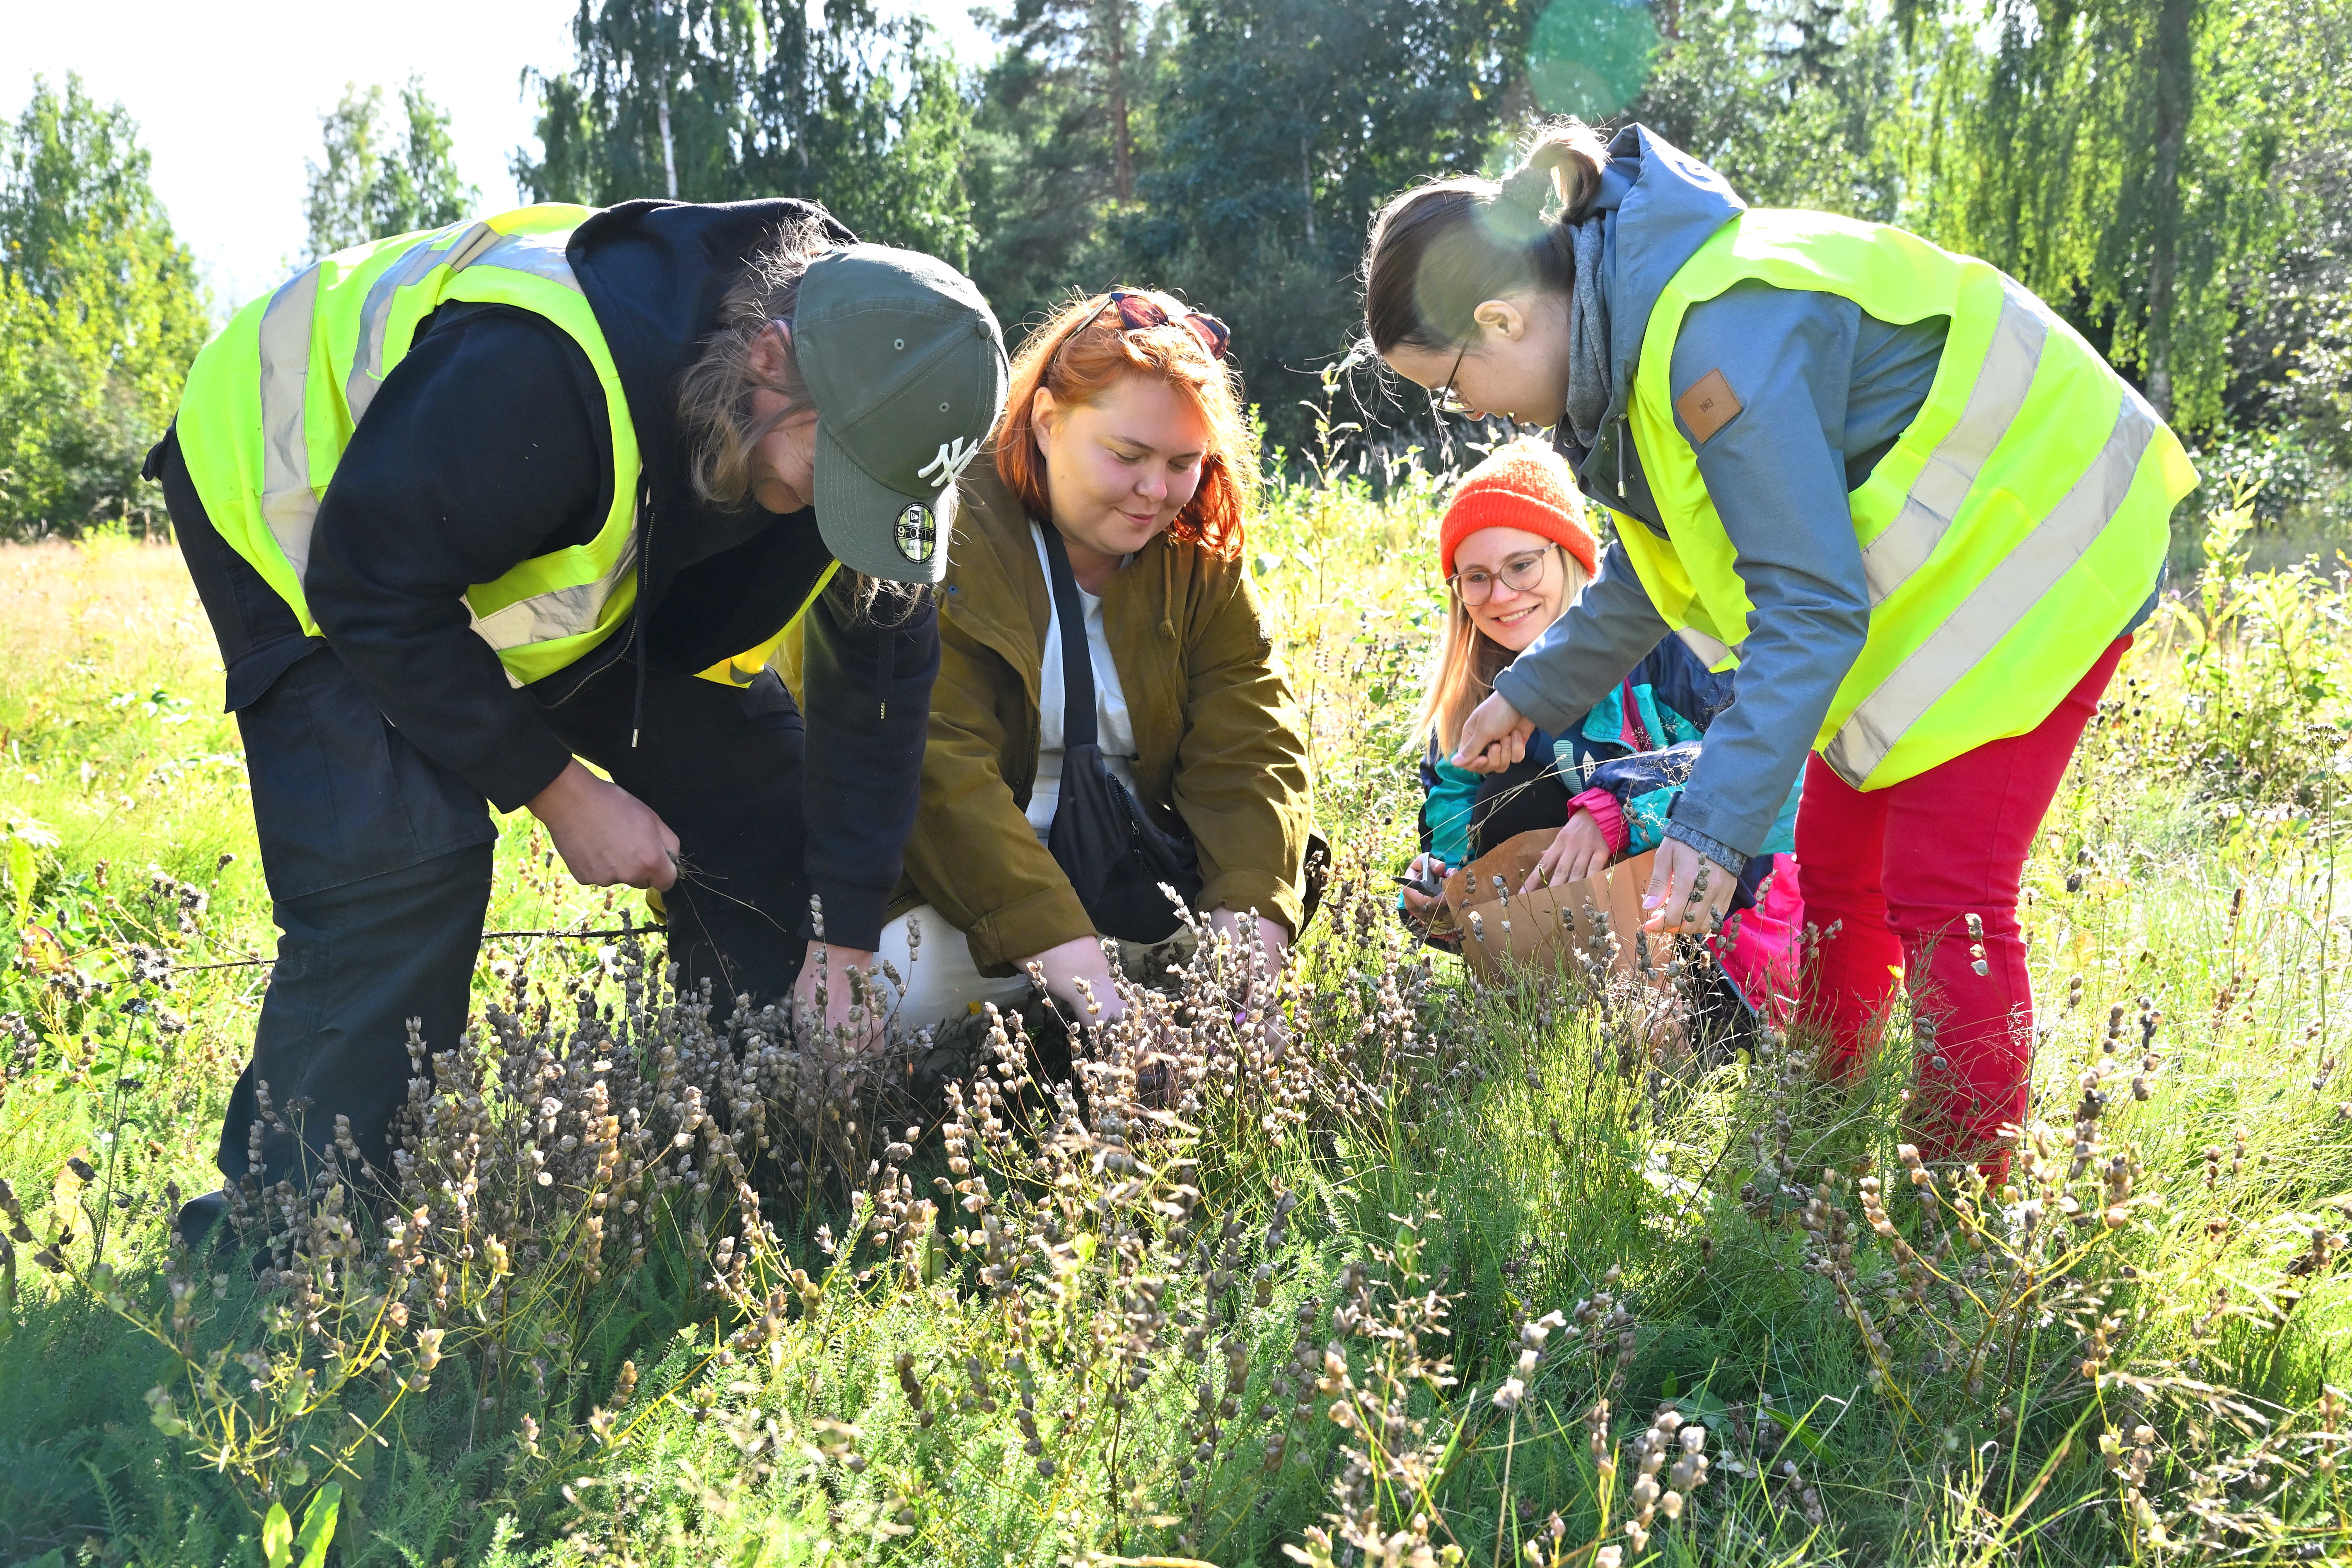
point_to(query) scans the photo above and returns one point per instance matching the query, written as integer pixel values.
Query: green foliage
(100, 316)
(1063, 126)
(1283, 125)
(2261, 718)
(1590, 58)
(2119, 158)
(280, 1545)
(727, 100)
(381, 178)
(1797, 103)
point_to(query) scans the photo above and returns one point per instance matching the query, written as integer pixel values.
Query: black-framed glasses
(1139, 312)
(1520, 574)
(1445, 399)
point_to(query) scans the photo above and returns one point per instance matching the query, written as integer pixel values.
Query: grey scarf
(1588, 337)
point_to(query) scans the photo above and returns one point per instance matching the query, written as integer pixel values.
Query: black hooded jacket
(491, 443)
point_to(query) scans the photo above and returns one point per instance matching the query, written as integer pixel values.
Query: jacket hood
(1661, 205)
(654, 273)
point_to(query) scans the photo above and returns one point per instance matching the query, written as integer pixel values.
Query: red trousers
(1891, 878)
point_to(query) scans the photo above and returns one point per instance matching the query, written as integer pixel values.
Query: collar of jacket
(1659, 205)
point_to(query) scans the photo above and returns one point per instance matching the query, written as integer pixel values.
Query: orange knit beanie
(1524, 485)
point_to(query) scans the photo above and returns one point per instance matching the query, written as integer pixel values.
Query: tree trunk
(1122, 147)
(1307, 184)
(669, 154)
(2176, 86)
(661, 102)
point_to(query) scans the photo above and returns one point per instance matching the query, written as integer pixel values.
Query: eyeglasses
(1139, 312)
(1445, 399)
(1521, 574)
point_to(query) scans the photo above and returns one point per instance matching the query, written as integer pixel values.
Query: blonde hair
(714, 395)
(1463, 673)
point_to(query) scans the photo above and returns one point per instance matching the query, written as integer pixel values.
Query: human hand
(605, 834)
(1067, 962)
(1579, 850)
(1276, 941)
(1421, 906)
(1687, 891)
(1493, 737)
(1267, 934)
(842, 994)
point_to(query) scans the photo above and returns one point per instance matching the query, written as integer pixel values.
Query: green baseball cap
(906, 365)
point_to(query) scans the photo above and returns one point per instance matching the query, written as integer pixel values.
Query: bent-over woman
(1916, 508)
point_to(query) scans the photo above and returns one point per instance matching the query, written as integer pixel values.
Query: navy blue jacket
(490, 443)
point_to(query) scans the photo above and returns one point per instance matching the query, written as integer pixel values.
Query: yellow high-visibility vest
(2009, 536)
(271, 403)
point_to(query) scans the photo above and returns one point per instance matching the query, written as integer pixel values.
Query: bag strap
(1077, 666)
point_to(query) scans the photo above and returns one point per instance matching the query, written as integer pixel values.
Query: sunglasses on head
(1138, 311)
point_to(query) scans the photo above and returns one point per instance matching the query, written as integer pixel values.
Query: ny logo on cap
(917, 535)
(949, 462)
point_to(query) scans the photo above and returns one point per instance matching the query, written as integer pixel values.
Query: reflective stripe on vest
(1951, 471)
(291, 501)
(2002, 542)
(1999, 602)
(541, 614)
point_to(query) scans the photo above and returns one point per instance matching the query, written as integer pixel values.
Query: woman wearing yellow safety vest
(467, 506)
(1918, 514)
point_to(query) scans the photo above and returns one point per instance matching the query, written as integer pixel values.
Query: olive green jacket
(1216, 733)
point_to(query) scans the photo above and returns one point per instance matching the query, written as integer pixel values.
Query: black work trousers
(379, 859)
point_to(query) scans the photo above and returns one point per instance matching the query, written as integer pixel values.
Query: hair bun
(1529, 186)
(1562, 165)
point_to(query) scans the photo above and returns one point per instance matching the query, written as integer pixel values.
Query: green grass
(1364, 1224)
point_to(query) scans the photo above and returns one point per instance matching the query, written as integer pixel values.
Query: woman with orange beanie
(1516, 553)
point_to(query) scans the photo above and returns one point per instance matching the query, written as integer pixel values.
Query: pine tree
(1062, 130)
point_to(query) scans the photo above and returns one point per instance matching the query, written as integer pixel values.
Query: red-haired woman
(1101, 550)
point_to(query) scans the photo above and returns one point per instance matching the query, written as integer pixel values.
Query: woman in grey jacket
(1917, 512)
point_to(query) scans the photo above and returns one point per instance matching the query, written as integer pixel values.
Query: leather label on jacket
(1708, 407)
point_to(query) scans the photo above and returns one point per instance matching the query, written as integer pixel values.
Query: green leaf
(22, 874)
(1799, 1428)
(277, 1537)
(319, 1523)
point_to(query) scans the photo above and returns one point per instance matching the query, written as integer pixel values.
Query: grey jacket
(1826, 390)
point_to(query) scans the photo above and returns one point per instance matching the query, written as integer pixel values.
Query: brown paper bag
(1545, 930)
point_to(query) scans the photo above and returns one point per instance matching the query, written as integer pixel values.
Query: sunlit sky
(228, 93)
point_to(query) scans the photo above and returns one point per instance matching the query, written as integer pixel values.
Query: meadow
(1433, 1273)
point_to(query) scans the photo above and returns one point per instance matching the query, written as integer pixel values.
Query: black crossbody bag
(1116, 849)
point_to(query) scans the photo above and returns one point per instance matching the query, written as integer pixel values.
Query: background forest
(2176, 174)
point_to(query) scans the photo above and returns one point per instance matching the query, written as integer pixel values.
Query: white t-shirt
(1114, 731)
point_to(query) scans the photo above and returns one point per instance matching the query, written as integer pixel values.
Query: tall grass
(1390, 1269)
